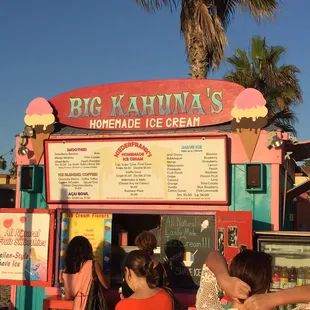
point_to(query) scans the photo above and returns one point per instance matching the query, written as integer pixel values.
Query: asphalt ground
(5, 295)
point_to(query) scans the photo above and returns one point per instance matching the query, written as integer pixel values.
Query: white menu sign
(179, 170)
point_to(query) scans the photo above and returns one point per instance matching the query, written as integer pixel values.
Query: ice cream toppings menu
(172, 170)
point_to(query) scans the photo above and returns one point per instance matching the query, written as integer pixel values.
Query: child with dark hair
(254, 268)
(240, 285)
(77, 275)
(142, 279)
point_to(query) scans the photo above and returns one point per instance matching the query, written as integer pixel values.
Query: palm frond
(239, 60)
(225, 10)
(257, 50)
(260, 8)
(275, 53)
(285, 120)
(154, 5)
(204, 35)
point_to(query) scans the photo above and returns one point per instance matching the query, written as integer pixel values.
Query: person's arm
(217, 264)
(232, 286)
(289, 296)
(104, 280)
(68, 296)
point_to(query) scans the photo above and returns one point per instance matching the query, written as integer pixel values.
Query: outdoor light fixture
(22, 140)
(28, 131)
(294, 140)
(2, 161)
(276, 142)
(22, 150)
(273, 140)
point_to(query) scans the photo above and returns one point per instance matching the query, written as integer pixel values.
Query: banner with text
(179, 170)
(24, 244)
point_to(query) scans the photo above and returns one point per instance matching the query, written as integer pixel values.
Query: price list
(191, 169)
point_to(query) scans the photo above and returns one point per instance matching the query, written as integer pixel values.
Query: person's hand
(234, 287)
(259, 302)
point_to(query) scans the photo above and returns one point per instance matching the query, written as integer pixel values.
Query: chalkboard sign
(186, 241)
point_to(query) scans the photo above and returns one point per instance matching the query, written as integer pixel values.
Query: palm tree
(204, 24)
(261, 68)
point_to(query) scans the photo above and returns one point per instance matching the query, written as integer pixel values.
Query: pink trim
(52, 291)
(275, 196)
(13, 296)
(145, 208)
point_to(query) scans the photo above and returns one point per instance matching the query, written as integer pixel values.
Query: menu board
(96, 227)
(186, 241)
(25, 239)
(179, 170)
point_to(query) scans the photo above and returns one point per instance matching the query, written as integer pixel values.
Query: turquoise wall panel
(259, 203)
(31, 298)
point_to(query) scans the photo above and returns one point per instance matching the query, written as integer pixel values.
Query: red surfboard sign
(148, 105)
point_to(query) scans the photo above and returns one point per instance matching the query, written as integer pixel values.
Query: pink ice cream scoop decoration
(39, 112)
(39, 115)
(249, 98)
(250, 104)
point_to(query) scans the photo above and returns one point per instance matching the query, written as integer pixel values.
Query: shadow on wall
(303, 213)
(178, 274)
(261, 226)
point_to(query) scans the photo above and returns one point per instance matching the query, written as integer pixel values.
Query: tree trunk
(197, 55)
(194, 39)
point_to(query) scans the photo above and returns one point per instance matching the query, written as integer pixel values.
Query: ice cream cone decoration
(249, 117)
(39, 115)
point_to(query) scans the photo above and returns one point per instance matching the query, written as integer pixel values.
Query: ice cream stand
(109, 161)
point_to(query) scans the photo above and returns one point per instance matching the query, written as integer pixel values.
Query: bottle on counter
(292, 277)
(284, 278)
(123, 238)
(275, 277)
(300, 277)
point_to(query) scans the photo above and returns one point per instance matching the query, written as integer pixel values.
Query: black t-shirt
(127, 291)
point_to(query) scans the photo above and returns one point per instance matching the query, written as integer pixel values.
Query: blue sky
(49, 47)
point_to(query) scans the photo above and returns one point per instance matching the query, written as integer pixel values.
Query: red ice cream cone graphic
(249, 117)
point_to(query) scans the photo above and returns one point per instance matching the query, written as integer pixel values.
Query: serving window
(125, 229)
(133, 225)
(111, 235)
(183, 241)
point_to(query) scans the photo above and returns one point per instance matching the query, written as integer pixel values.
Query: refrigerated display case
(290, 252)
